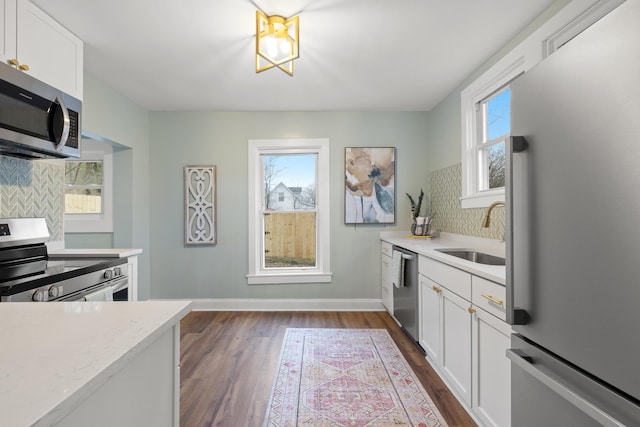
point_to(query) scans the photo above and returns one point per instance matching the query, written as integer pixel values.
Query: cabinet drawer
(387, 248)
(489, 296)
(451, 278)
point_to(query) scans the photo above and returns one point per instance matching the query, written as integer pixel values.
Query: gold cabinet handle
(16, 63)
(492, 299)
(438, 289)
(471, 310)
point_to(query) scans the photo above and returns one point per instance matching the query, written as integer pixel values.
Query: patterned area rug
(346, 377)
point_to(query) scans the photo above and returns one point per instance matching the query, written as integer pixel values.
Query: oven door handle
(116, 285)
(119, 284)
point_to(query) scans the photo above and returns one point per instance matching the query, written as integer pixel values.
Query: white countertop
(92, 253)
(54, 355)
(427, 247)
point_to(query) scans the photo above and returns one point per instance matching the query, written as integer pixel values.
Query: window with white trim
(289, 211)
(477, 190)
(494, 117)
(89, 190)
(486, 121)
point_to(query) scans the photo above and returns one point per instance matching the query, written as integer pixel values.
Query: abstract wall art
(200, 205)
(370, 185)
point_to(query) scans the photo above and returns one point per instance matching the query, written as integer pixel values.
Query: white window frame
(97, 222)
(566, 24)
(257, 273)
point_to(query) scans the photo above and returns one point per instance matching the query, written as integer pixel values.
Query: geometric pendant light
(276, 42)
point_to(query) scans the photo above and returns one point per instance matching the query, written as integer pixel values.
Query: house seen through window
(289, 210)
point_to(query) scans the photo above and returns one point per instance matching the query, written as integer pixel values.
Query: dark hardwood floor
(228, 363)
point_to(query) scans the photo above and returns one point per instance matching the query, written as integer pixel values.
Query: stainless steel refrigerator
(573, 226)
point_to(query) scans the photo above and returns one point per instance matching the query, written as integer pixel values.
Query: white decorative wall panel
(200, 205)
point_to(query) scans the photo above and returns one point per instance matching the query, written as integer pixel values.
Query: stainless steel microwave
(37, 120)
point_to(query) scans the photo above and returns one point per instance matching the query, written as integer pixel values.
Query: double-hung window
(486, 127)
(88, 190)
(494, 115)
(289, 211)
(485, 103)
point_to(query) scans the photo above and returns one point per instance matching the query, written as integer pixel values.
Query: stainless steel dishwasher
(405, 294)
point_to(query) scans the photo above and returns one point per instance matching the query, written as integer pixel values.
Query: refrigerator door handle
(526, 363)
(514, 210)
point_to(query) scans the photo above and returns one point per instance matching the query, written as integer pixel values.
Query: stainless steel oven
(27, 275)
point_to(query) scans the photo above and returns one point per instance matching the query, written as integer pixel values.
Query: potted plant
(415, 207)
(421, 225)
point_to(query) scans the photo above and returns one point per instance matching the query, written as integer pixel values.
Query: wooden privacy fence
(290, 235)
(82, 203)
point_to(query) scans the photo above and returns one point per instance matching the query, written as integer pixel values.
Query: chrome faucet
(487, 217)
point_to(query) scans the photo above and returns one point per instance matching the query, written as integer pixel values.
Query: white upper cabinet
(40, 46)
(8, 33)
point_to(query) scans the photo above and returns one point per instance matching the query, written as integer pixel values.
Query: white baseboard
(259, 304)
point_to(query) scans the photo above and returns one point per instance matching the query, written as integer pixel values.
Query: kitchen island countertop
(55, 355)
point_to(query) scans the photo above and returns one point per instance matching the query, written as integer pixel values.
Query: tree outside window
(496, 127)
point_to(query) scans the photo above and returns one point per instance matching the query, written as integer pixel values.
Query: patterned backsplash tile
(33, 189)
(446, 189)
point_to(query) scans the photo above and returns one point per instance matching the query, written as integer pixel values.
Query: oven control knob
(54, 291)
(117, 271)
(39, 296)
(108, 274)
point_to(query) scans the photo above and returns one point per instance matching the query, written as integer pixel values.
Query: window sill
(276, 279)
(481, 200)
(88, 225)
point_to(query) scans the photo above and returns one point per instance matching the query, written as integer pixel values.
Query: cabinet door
(132, 264)
(491, 370)
(387, 287)
(52, 53)
(456, 344)
(8, 32)
(430, 319)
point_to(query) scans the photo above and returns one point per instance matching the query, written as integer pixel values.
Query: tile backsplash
(33, 189)
(446, 189)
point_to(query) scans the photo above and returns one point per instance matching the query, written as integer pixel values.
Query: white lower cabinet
(456, 344)
(430, 319)
(144, 392)
(465, 336)
(491, 370)
(386, 276)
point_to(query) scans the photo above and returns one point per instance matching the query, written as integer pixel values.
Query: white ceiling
(355, 55)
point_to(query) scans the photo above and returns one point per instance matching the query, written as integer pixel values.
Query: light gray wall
(148, 182)
(444, 120)
(111, 115)
(216, 138)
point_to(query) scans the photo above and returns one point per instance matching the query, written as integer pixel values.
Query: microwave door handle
(66, 123)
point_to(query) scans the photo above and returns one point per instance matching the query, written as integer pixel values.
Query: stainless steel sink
(474, 256)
